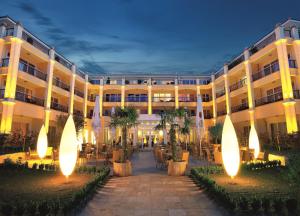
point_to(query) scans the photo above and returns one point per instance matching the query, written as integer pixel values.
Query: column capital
(52, 53)
(2, 29)
(295, 33)
(212, 78)
(246, 54)
(279, 32)
(18, 29)
(73, 68)
(225, 68)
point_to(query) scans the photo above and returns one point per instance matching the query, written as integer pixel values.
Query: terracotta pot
(122, 169)
(176, 168)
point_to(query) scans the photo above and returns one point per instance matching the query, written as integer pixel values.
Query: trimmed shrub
(266, 204)
(6, 209)
(278, 205)
(256, 205)
(19, 208)
(43, 208)
(291, 205)
(31, 208)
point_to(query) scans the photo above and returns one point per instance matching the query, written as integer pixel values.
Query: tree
(125, 118)
(172, 117)
(216, 132)
(186, 128)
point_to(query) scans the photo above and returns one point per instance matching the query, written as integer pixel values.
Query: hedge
(253, 204)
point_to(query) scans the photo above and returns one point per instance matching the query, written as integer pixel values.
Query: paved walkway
(150, 192)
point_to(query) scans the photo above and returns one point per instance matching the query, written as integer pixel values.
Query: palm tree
(172, 117)
(186, 128)
(125, 118)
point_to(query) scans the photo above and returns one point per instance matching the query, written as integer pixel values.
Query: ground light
(254, 141)
(42, 143)
(68, 148)
(230, 148)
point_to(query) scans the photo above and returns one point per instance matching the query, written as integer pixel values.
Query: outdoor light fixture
(230, 148)
(42, 142)
(68, 148)
(254, 141)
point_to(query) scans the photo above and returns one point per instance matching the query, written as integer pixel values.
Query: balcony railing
(59, 107)
(221, 112)
(262, 43)
(32, 71)
(240, 107)
(297, 94)
(163, 99)
(206, 99)
(9, 32)
(220, 93)
(187, 99)
(267, 70)
(21, 96)
(208, 116)
(241, 83)
(269, 99)
(112, 98)
(5, 62)
(78, 93)
(92, 98)
(61, 84)
(139, 98)
(292, 63)
(2, 91)
(34, 42)
(219, 73)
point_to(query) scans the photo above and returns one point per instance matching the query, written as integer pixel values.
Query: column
(176, 94)
(2, 41)
(227, 90)
(149, 97)
(72, 88)
(101, 97)
(11, 80)
(123, 93)
(250, 89)
(296, 46)
(85, 99)
(286, 81)
(48, 91)
(213, 88)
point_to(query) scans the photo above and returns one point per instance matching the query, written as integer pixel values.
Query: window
(162, 97)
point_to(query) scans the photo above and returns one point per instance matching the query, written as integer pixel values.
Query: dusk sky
(155, 36)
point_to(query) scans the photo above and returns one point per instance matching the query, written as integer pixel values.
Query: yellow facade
(261, 87)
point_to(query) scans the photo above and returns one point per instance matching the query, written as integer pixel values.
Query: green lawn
(26, 185)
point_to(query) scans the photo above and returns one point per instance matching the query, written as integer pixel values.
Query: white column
(227, 90)
(86, 83)
(72, 88)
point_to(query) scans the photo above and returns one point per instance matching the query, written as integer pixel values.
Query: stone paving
(150, 192)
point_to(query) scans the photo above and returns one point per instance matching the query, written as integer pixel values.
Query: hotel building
(260, 86)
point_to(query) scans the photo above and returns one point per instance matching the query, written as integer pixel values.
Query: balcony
(269, 99)
(2, 91)
(79, 93)
(5, 62)
(187, 82)
(21, 96)
(208, 115)
(9, 32)
(163, 82)
(292, 63)
(112, 98)
(219, 73)
(206, 98)
(238, 85)
(221, 112)
(77, 112)
(137, 98)
(92, 98)
(61, 84)
(59, 107)
(136, 82)
(163, 99)
(27, 68)
(220, 93)
(268, 69)
(297, 94)
(191, 98)
(34, 42)
(240, 107)
(263, 43)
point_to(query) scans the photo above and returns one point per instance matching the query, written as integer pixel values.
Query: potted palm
(176, 166)
(124, 118)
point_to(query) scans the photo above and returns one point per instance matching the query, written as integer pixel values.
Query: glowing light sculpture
(68, 148)
(230, 148)
(42, 143)
(254, 141)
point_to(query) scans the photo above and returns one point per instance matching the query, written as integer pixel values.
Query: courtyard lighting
(68, 148)
(230, 148)
(254, 141)
(42, 142)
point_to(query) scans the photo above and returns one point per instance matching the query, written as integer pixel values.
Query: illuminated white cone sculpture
(68, 148)
(254, 141)
(230, 148)
(42, 143)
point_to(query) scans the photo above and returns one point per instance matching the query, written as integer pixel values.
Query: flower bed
(244, 202)
(70, 201)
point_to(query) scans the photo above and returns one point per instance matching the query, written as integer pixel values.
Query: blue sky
(154, 36)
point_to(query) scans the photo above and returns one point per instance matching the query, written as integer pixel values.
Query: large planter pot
(176, 168)
(122, 169)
